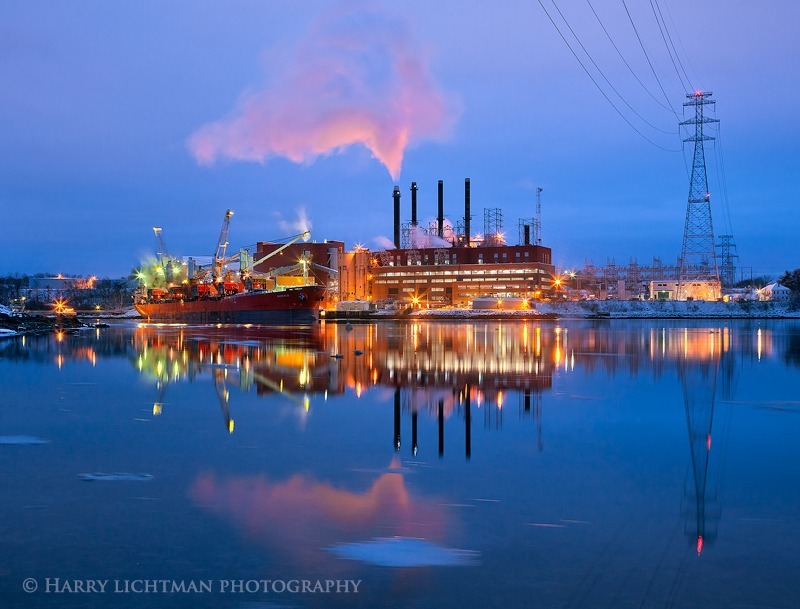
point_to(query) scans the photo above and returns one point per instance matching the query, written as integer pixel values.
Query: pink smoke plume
(357, 78)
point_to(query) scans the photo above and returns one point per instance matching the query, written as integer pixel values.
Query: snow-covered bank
(614, 309)
(129, 313)
(669, 309)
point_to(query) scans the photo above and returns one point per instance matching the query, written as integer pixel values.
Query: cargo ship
(177, 290)
(295, 305)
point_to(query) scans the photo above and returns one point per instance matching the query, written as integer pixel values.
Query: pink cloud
(358, 78)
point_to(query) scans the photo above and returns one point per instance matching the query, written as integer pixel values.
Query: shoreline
(589, 310)
(12, 325)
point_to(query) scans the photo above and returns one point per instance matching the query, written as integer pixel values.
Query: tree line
(107, 293)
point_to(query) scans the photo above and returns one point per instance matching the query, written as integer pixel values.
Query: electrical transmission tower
(728, 258)
(698, 257)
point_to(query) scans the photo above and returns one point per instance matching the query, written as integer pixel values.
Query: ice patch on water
(405, 552)
(117, 476)
(22, 440)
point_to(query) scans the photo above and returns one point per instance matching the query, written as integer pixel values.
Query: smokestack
(440, 216)
(413, 203)
(467, 215)
(396, 196)
(526, 229)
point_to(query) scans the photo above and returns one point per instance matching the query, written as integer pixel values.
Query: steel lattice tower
(728, 257)
(698, 256)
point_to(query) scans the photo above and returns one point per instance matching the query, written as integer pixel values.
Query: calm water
(571, 464)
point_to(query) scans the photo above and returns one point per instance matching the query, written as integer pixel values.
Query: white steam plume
(358, 77)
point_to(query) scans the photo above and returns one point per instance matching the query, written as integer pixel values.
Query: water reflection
(442, 372)
(560, 445)
(455, 376)
(300, 516)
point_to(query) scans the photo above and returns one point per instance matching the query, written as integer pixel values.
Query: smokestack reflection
(414, 445)
(397, 419)
(441, 428)
(467, 426)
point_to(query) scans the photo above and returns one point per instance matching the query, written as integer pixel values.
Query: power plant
(444, 265)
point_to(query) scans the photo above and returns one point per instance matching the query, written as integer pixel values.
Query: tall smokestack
(396, 196)
(440, 216)
(413, 203)
(467, 215)
(526, 228)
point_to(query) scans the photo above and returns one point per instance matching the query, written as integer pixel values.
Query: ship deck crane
(250, 265)
(222, 245)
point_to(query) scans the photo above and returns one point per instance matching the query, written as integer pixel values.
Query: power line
(647, 56)
(723, 179)
(667, 45)
(611, 40)
(594, 63)
(669, 36)
(722, 191)
(599, 88)
(680, 42)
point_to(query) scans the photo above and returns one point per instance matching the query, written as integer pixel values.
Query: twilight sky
(120, 116)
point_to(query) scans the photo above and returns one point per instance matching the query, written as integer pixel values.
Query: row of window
(521, 280)
(439, 273)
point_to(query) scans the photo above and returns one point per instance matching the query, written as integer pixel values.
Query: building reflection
(82, 347)
(440, 371)
(465, 372)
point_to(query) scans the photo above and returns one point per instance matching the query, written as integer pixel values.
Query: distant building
(774, 291)
(49, 288)
(667, 289)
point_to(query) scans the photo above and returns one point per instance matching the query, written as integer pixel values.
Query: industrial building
(441, 265)
(298, 262)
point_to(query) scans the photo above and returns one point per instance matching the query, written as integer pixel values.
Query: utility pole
(698, 256)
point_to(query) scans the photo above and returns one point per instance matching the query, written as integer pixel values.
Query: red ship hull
(290, 306)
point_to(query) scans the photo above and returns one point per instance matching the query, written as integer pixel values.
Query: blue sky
(99, 102)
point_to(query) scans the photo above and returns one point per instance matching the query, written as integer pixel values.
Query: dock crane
(222, 246)
(162, 254)
(164, 269)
